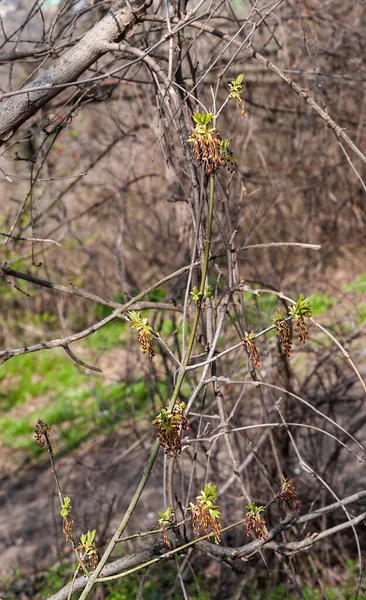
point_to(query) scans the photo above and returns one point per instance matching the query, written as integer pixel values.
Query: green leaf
(197, 296)
(202, 118)
(302, 308)
(165, 516)
(66, 507)
(91, 536)
(135, 318)
(209, 492)
(208, 118)
(255, 510)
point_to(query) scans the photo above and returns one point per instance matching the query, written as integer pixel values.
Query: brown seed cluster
(67, 524)
(90, 558)
(240, 103)
(145, 334)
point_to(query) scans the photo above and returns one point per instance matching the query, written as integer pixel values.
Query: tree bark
(15, 110)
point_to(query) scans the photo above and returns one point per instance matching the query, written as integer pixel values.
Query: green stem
(59, 493)
(209, 232)
(201, 290)
(148, 468)
(123, 523)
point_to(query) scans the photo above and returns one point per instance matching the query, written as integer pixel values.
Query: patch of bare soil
(99, 478)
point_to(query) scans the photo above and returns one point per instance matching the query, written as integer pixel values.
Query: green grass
(109, 336)
(36, 374)
(321, 302)
(358, 285)
(50, 387)
(57, 379)
(361, 309)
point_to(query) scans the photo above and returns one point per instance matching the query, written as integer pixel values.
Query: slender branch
(229, 381)
(281, 245)
(116, 566)
(31, 239)
(337, 130)
(155, 552)
(188, 441)
(6, 354)
(149, 466)
(75, 291)
(343, 350)
(79, 361)
(68, 68)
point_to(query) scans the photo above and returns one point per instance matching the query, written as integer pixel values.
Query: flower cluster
(166, 519)
(288, 494)
(205, 513)
(283, 332)
(170, 423)
(208, 147)
(248, 340)
(87, 551)
(145, 333)
(302, 309)
(67, 522)
(200, 297)
(254, 521)
(42, 433)
(236, 90)
(301, 329)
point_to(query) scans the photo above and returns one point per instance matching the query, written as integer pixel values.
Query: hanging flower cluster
(283, 332)
(254, 521)
(248, 340)
(288, 494)
(205, 513)
(42, 433)
(145, 333)
(166, 519)
(170, 422)
(298, 312)
(208, 147)
(87, 551)
(236, 90)
(67, 522)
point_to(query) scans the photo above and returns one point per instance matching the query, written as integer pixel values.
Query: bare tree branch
(75, 291)
(113, 27)
(156, 551)
(337, 130)
(115, 567)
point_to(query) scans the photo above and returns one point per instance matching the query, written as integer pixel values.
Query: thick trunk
(15, 110)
